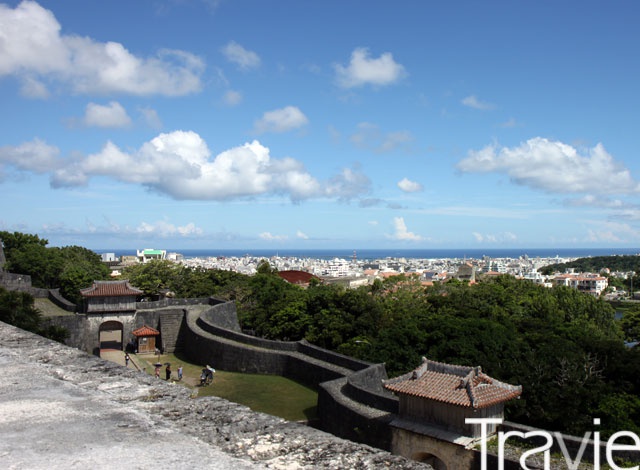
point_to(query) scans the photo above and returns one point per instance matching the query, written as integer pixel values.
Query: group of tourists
(167, 371)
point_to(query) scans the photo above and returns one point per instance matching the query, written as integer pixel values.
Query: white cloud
(281, 120)
(348, 184)
(35, 156)
(554, 167)
(369, 136)
(608, 236)
(179, 164)
(34, 50)
(401, 231)
(33, 88)
(232, 98)
(473, 102)
(270, 237)
(590, 200)
(112, 115)
(409, 186)
(505, 237)
(300, 234)
(363, 70)
(240, 56)
(609, 231)
(165, 229)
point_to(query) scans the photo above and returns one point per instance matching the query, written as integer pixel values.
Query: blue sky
(325, 124)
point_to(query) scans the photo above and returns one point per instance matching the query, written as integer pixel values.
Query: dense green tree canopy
(69, 268)
(17, 309)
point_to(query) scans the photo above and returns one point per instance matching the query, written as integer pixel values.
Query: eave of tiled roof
(110, 289)
(462, 386)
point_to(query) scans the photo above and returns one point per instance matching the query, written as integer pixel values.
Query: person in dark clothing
(167, 371)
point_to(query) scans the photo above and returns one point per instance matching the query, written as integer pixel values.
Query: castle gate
(111, 335)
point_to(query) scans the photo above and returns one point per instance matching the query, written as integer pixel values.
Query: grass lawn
(270, 394)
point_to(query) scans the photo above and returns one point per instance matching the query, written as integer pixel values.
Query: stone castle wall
(65, 408)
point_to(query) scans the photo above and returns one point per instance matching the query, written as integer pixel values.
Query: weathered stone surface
(62, 408)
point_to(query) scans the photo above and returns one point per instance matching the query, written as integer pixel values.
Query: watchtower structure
(434, 401)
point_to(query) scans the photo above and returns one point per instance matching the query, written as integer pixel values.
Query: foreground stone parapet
(62, 408)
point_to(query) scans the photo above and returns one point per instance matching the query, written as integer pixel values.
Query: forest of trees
(564, 347)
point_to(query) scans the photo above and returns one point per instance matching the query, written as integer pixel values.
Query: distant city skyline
(314, 125)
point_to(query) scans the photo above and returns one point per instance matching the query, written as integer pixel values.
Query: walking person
(126, 360)
(180, 372)
(167, 372)
(157, 372)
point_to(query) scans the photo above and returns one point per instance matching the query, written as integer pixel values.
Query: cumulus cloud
(369, 136)
(401, 231)
(112, 115)
(409, 186)
(363, 70)
(35, 156)
(473, 102)
(554, 167)
(33, 49)
(180, 165)
(240, 56)
(303, 236)
(281, 120)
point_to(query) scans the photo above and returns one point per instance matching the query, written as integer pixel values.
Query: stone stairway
(171, 322)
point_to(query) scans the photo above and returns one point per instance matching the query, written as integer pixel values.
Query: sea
(383, 253)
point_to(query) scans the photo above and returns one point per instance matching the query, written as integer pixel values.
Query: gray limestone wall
(365, 386)
(54, 296)
(173, 302)
(342, 416)
(11, 281)
(361, 415)
(230, 350)
(64, 408)
(84, 328)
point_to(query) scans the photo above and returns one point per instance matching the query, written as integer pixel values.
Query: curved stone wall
(351, 401)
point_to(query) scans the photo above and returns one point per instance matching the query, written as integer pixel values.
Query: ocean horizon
(382, 253)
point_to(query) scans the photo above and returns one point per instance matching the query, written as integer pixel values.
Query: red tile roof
(145, 331)
(110, 289)
(456, 385)
(297, 277)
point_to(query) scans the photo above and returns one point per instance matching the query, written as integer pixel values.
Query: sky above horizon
(333, 124)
